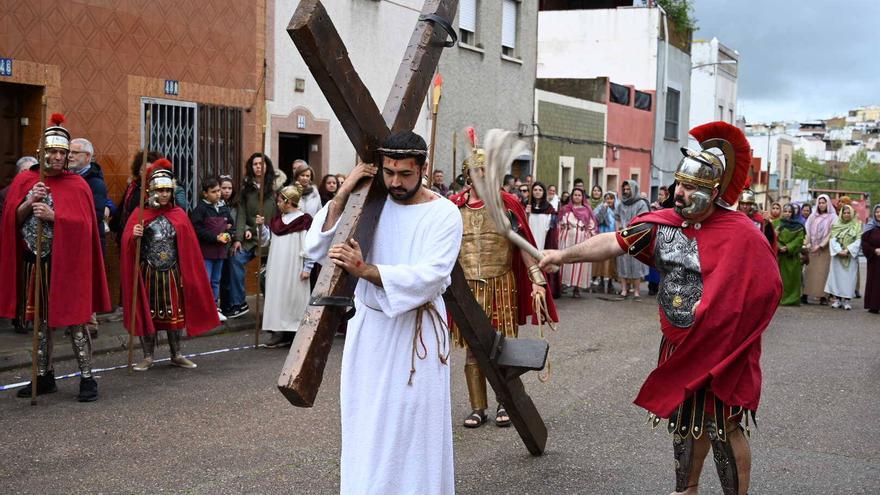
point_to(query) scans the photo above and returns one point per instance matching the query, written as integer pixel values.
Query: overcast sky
(799, 59)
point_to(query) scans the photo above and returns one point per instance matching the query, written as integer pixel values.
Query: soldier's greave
(82, 349)
(148, 344)
(476, 384)
(725, 460)
(683, 450)
(174, 342)
(44, 350)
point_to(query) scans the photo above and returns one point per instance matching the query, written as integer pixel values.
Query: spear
(137, 241)
(259, 321)
(435, 106)
(38, 269)
(454, 159)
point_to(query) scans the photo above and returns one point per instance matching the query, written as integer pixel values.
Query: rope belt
(542, 311)
(441, 333)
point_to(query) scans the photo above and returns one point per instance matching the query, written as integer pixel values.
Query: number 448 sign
(172, 87)
(6, 67)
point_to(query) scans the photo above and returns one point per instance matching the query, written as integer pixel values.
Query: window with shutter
(673, 102)
(467, 21)
(508, 26)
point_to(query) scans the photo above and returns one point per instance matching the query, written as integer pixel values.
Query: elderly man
(72, 276)
(23, 163)
(720, 290)
(80, 160)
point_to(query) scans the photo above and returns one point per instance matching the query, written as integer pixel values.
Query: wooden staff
(454, 159)
(262, 213)
(137, 242)
(38, 269)
(435, 106)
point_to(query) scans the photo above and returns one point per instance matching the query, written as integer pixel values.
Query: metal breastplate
(29, 230)
(484, 253)
(159, 248)
(677, 258)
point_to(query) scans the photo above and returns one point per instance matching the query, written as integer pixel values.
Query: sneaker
(144, 365)
(238, 311)
(88, 390)
(45, 385)
(221, 316)
(846, 306)
(182, 362)
(835, 304)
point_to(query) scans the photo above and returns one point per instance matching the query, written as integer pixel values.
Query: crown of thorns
(391, 151)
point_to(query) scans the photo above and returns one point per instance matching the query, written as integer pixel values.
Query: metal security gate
(220, 146)
(173, 131)
(200, 140)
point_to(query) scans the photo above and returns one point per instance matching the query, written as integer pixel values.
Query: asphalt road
(223, 428)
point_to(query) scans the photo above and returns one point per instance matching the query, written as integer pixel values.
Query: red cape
(741, 290)
(199, 309)
(520, 271)
(78, 286)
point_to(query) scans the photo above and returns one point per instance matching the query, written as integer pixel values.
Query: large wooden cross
(502, 361)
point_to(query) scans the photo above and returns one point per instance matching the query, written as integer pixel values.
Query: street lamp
(723, 62)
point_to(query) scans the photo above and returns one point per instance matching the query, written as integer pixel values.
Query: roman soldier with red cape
(503, 279)
(72, 271)
(173, 287)
(748, 205)
(720, 289)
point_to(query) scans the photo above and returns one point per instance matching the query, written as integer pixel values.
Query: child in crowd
(213, 225)
(287, 270)
(229, 199)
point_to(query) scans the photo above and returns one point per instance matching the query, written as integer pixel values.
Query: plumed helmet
(723, 161)
(56, 136)
(477, 159)
(747, 196)
(160, 175)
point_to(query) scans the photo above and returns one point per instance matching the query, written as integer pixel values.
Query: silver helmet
(702, 169)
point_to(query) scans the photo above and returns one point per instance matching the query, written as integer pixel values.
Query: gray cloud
(800, 59)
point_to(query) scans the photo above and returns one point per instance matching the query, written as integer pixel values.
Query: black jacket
(95, 179)
(205, 210)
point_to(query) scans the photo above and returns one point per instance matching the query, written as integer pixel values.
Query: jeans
(237, 272)
(215, 270)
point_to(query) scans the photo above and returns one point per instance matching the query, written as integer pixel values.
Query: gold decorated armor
(484, 252)
(487, 260)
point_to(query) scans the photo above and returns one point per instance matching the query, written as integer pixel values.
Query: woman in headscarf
(596, 197)
(576, 224)
(790, 236)
(846, 239)
(607, 269)
(542, 222)
(806, 211)
(871, 249)
(818, 236)
(630, 270)
(775, 214)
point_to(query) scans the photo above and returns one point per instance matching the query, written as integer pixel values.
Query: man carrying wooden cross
(395, 385)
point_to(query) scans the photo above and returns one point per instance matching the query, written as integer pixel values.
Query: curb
(119, 342)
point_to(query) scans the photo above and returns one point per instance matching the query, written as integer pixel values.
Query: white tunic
(842, 280)
(286, 294)
(539, 224)
(397, 438)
